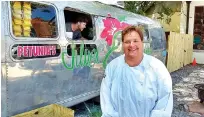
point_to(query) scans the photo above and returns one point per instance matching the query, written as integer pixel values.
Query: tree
(149, 7)
(139, 7)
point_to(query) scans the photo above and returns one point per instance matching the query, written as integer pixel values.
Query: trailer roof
(101, 9)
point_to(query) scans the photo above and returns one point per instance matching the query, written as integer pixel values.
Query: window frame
(162, 34)
(79, 46)
(149, 37)
(93, 24)
(34, 38)
(146, 29)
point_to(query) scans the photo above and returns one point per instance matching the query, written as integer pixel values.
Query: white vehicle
(39, 65)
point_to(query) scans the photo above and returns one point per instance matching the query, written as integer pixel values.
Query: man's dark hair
(81, 18)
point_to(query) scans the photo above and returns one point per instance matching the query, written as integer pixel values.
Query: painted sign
(112, 26)
(85, 57)
(112, 29)
(31, 51)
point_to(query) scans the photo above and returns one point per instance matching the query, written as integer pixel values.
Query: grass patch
(93, 110)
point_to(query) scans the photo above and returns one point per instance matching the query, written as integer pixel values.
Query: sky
(44, 15)
(108, 1)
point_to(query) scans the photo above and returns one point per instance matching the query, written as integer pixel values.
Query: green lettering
(72, 64)
(85, 58)
(148, 51)
(81, 53)
(113, 47)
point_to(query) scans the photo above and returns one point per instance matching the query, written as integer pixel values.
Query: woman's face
(132, 45)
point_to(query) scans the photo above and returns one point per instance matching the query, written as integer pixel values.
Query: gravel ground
(184, 92)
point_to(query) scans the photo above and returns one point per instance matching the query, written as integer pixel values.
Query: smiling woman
(137, 81)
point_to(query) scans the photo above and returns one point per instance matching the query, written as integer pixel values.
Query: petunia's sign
(33, 51)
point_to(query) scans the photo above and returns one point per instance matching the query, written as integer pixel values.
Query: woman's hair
(130, 29)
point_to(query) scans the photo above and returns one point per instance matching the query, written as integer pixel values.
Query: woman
(136, 84)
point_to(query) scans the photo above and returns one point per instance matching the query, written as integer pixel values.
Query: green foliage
(164, 10)
(93, 110)
(146, 7)
(139, 7)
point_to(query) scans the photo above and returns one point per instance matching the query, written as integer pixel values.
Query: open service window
(78, 25)
(33, 20)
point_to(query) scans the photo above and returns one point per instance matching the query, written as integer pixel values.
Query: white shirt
(141, 91)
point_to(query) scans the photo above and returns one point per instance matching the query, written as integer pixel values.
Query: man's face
(81, 25)
(132, 45)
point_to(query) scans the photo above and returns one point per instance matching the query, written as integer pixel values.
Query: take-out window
(74, 25)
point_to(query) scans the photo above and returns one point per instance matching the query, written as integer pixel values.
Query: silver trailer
(41, 64)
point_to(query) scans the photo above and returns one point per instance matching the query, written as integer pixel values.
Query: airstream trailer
(41, 64)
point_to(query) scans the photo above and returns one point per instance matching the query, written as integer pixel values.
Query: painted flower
(111, 25)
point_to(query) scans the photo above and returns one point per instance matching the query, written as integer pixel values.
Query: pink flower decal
(111, 25)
